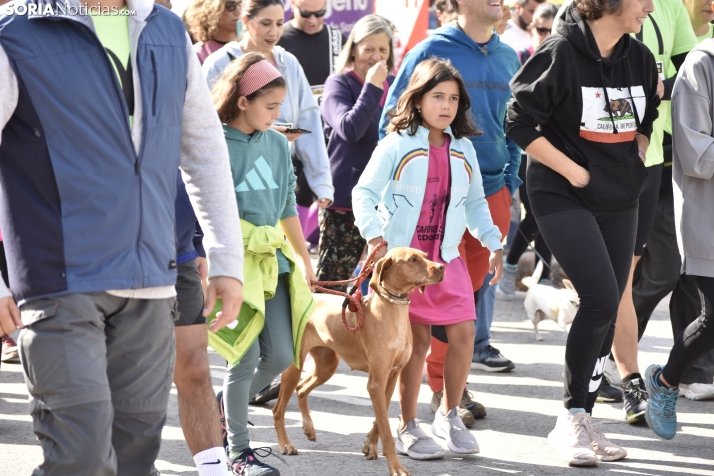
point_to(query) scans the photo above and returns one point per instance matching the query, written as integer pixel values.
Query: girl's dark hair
(252, 7)
(594, 9)
(225, 91)
(426, 76)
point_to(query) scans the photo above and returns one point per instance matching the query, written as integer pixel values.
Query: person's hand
(495, 266)
(202, 264)
(660, 87)
(290, 135)
(579, 176)
(310, 277)
(377, 74)
(372, 244)
(231, 291)
(324, 202)
(9, 316)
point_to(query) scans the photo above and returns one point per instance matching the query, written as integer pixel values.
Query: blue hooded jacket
(486, 70)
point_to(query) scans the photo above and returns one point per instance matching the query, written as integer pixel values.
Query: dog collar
(401, 299)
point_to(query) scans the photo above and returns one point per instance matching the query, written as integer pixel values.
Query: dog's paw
(309, 431)
(399, 471)
(370, 449)
(288, 449)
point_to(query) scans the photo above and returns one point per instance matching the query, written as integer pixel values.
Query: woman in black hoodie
(583, 108)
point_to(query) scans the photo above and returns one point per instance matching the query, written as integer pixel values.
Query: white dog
(546, 302)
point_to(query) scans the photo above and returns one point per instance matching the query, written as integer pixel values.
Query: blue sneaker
(661, 411)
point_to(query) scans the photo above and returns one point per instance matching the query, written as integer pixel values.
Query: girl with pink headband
(277, 299)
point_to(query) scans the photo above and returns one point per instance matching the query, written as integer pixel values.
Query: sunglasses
(543, 31)
(317, 14)
(231, 5)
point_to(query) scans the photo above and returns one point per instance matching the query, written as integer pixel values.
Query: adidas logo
(252, 179)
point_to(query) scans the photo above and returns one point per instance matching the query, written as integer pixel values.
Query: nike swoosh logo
(217, 462)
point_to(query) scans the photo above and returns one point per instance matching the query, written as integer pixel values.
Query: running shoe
(475, 408)
(571, 439)
(635, 400)
(608, 393)
(247, 464)
(661, 410)
(611, 371)
(466, 416)
(449, 427)
(605, 449)
(9, 350)
(415, 443)
(696, 391)
(269, 393)
(489, 359)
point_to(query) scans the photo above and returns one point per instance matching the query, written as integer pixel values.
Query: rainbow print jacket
(387, 199)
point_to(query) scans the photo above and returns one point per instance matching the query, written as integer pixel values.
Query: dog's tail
(529, 281)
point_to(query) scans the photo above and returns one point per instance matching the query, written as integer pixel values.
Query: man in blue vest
(100, 105)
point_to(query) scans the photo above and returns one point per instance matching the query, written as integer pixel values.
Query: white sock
(574, 411)
(211, 462)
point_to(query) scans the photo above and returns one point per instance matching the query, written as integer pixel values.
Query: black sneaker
(246, 463)
(490, 359)
(222, 414)
(269, 393)
(468, 403)
(608, 393)
(635, 400)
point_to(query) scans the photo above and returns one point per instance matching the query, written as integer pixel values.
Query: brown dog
(381, 347)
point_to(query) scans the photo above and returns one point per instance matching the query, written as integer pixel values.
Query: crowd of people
(168, 201)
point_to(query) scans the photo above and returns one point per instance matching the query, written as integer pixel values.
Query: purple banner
(341, 14)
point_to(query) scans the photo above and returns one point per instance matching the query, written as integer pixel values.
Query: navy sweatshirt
(350, 110)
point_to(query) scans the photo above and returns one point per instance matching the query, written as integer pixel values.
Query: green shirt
(113, 32)
(708, 34)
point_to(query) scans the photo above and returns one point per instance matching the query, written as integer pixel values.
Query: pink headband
(258, 75)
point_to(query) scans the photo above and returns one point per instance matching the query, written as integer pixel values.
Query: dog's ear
(568, 284)
(382, 265)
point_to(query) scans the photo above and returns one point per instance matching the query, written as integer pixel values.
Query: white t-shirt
(515, 37)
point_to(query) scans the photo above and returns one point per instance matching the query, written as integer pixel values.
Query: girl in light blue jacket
(424, 181)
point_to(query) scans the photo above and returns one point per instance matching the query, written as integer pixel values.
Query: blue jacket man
(93, 131)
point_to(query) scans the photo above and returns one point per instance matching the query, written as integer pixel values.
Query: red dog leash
(353, 301)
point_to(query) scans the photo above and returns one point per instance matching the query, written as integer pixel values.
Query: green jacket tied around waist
(261, 278)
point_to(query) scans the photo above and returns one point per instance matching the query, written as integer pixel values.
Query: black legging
(696, 340)
(595, 251)
(528, 230)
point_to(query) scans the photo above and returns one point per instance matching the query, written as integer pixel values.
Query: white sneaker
(697, 391)
(450, 428)
(611, 372)
(571, 438)
(605, 449)
(415, 443)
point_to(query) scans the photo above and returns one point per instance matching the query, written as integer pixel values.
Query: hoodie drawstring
(634, 107)
(607, 98)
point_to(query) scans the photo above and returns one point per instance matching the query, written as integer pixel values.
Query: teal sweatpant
(267, 358)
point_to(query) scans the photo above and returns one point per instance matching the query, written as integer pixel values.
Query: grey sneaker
(490, 359)
(415, 443)
(507, 285)
(450, 428)
(605, 449)
(464, 413)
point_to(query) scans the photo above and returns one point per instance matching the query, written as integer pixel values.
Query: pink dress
(450, 301)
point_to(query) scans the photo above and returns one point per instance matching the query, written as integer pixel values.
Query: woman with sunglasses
(212, 24)
(263, 21)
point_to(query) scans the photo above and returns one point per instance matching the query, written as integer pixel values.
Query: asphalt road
(522, 406)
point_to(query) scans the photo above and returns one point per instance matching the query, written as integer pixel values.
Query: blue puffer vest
(81, 209)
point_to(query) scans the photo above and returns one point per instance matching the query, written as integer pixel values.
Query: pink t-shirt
(450, 301)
